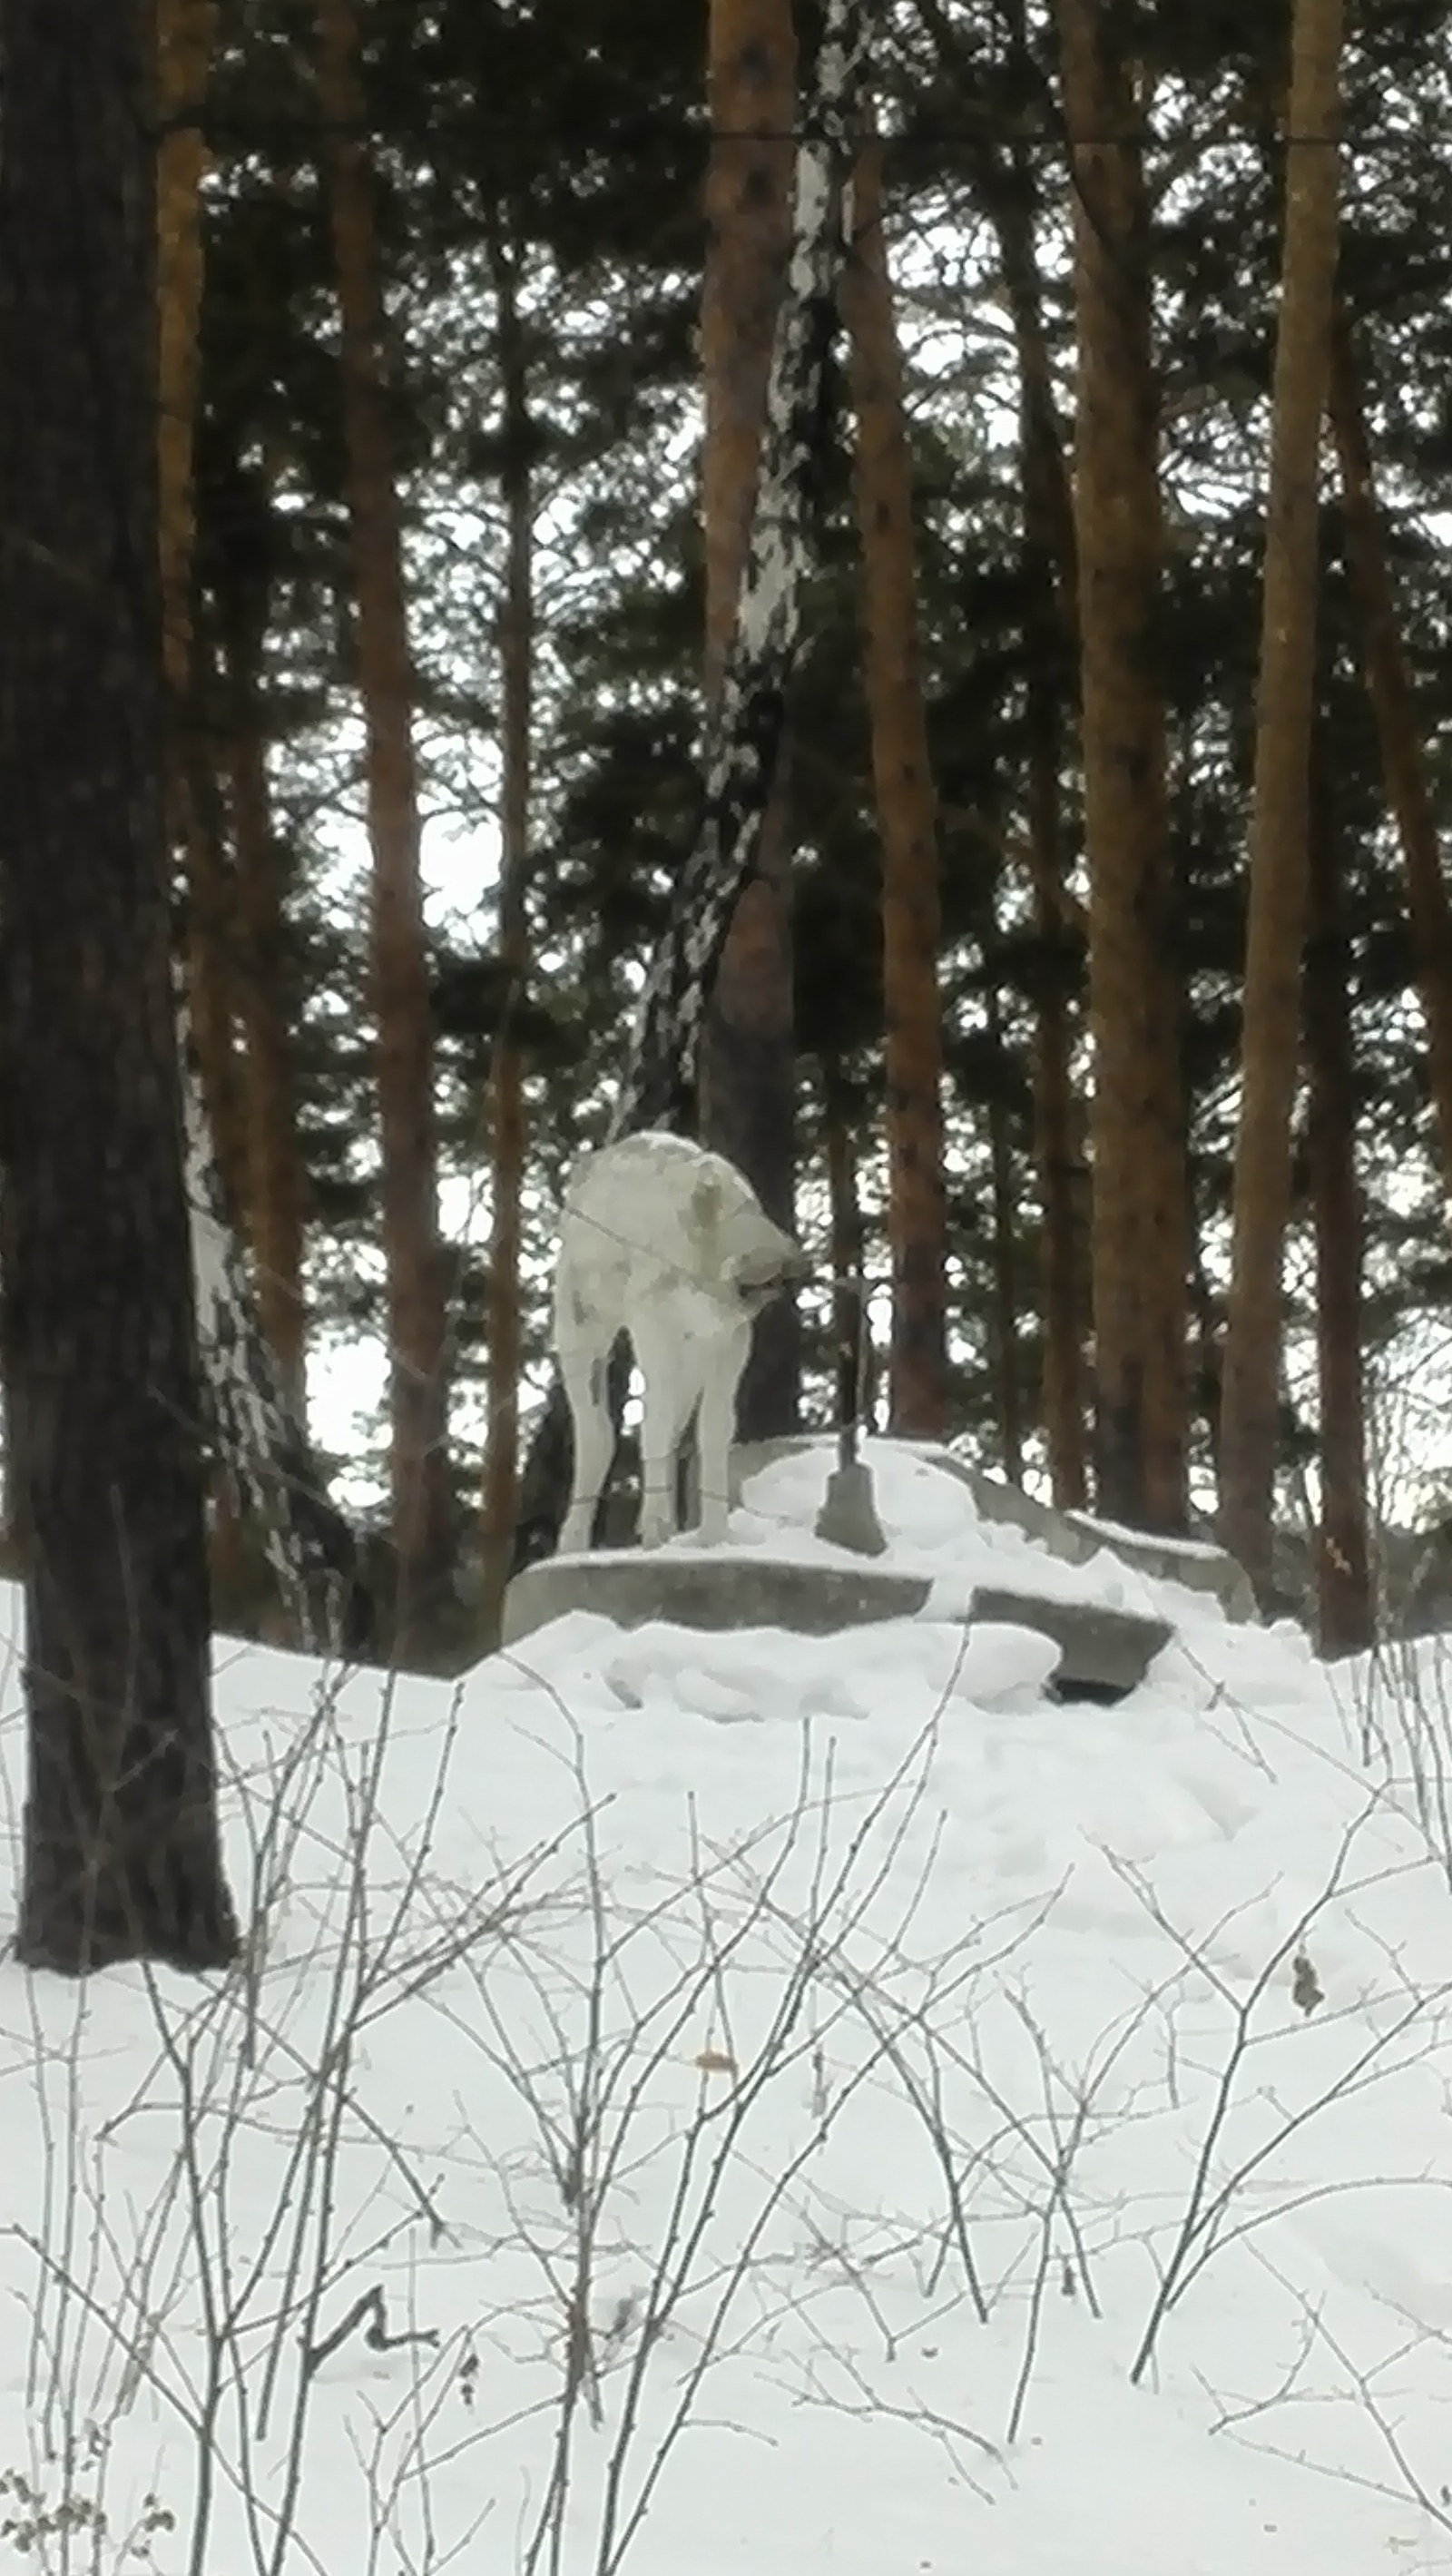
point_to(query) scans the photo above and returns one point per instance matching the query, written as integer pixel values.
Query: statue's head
(757, 1257)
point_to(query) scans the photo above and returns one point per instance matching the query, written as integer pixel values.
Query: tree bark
(747, 1064)
(198, 826)
(1010, 189)
(908, 822)
(508, 1139)
(1051, 590)
(1057, 1147)
(1343, 1573)
(198, 816)
(1393, 702)
(849, 1305)
(1005, 1273)
(185, 38)
(1208, 1346)
(413, 1253)
(275, 1196)
(1250, 1411)
(185, 35)
(121, 1852)
(1135, 1001)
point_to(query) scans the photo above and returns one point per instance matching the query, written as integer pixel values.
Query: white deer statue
(667, 1243)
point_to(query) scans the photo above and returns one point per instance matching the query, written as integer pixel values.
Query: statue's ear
(705, 1206)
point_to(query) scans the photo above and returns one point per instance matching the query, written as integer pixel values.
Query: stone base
(1103, 1654)
(1072, 1536)
(722, 1590)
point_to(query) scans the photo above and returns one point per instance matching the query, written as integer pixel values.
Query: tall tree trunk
(516, 648)
(197, 820)
(908, 822)
(185, 38)
(1250, 1410)
(1393, 700)
(1051, 590)
(1208, 1344)
(849, 1305)
(121, 1851)
(1057, 1149)
(198, 826)
(1010, 189)
(1005, 1271)
(413, 1253)
(185, 35)
(1135, 1002)
(1343, 1574)
(747, 1066)
(275, 1198)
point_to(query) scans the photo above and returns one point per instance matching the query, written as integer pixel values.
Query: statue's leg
(668, 1361)
(584, 1369)
(716, 1426)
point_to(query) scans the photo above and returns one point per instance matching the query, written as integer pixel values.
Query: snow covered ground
(701, 2103)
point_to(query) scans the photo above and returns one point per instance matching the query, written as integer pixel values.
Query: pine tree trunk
(1051, 588)
(196, 811)
(516, 645)
(1011, 191)
(275, 1196)
(198, 821)
(1393, 701)
(413, 1254)
(185, 38)
(849, 1306)
(1208, 1340)
(1343, 1576)
(1056, 1127)
(747, 1065)
(185, 35)
(121, 1849)
(1005, 1273)
(908, 823)
(1135, 1001)
(1250, 1410)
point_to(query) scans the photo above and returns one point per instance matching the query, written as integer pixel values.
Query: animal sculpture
(666, 1242)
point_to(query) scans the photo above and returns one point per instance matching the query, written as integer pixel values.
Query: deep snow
(701, 2030)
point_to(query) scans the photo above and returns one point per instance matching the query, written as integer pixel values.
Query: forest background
(457, 575)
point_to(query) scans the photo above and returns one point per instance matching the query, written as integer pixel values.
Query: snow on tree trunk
(745, 735)
(258, 1438)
